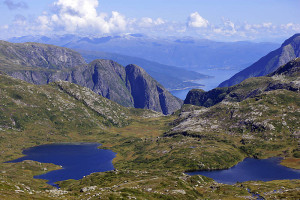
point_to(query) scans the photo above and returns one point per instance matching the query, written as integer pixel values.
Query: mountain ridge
(289, 50)
(105, 77)
(189, 53)
(250, 87)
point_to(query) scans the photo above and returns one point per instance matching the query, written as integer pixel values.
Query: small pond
(252, 170)
(76, 159)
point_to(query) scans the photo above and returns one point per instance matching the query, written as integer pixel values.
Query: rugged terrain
(285, 77)
(42, 64)
(289, 50)
(152, 150)
(264, 107)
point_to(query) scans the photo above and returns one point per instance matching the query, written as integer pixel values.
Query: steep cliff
(148, 93)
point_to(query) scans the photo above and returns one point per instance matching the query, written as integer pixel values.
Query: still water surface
(218, 76)
(252, 170)
(81, 159)
(77, 160)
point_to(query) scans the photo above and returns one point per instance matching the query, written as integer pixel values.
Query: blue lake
(77, 160)
(252, 170)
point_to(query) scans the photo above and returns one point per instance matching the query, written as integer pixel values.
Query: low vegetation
(153, 151)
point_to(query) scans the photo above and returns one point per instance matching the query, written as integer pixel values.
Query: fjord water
(76, 159)
(252, 170)
(217, 77)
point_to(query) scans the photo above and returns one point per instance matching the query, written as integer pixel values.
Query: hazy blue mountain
(190, 53)
(289, 50)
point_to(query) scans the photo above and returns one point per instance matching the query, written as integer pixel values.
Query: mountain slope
(169, 76)
(28, 105)
(35, 55)
(285, 77)
(289, 50)
(42, 64)
(59, 105)
(263, 111)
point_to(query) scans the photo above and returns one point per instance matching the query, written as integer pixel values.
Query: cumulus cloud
(228, 28)
(15, 5)
(82, 15)
(196, 21)
(149, 22)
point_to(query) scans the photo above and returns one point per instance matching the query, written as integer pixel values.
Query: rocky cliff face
(288, 51)
(104, 77)
(130, 87)
(148, 93)
(286, 77)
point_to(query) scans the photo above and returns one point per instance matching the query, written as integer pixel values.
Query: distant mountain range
(289, 50)
(131, 86)
(190, 53)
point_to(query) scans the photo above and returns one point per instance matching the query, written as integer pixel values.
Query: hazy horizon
(218, 20)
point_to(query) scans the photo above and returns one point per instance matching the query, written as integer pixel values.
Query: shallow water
(77, 160)
(252, 170)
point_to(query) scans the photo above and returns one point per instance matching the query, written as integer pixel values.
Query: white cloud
(196, 21)
(290, 27)
(82, 15)
(148, 22)
(228, 28)
(159, 21)
(44, 22)
(267, 25)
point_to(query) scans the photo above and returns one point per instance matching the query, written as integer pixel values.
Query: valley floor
(148, 165)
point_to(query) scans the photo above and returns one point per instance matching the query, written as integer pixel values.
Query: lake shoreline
(275, 161)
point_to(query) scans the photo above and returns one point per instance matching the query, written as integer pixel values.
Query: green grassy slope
(152, 150)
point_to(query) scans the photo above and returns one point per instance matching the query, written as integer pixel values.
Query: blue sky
(225, 20)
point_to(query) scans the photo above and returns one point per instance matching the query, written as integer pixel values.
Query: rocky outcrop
(286, 77)
(288, 51)
(290, 69)
(201, 98)
(148, 93)
(130, 86)
(267, 106)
